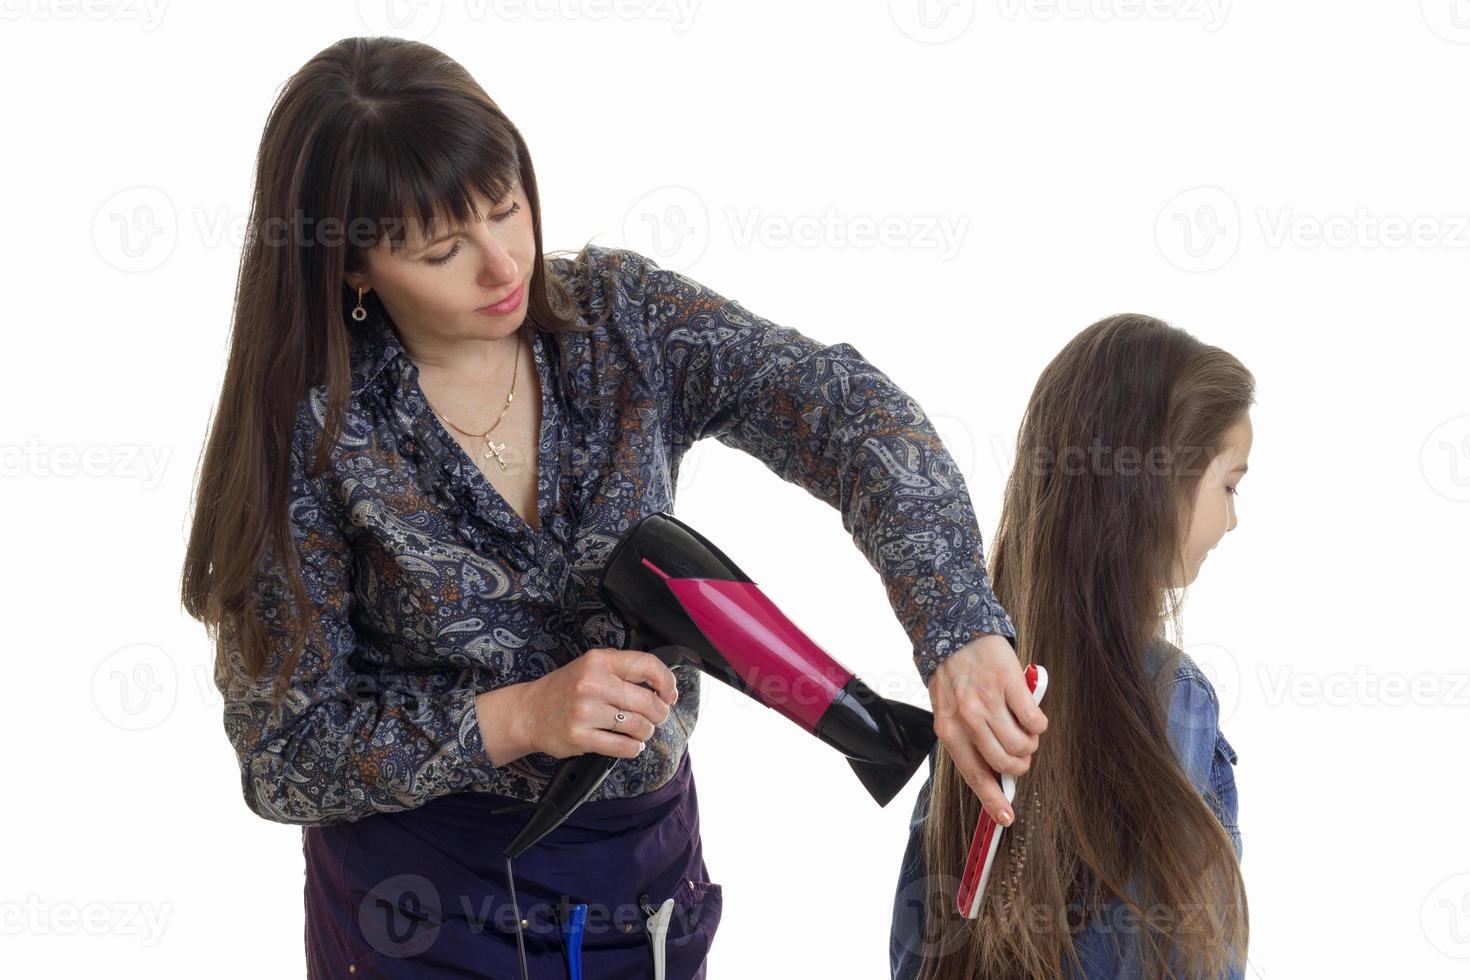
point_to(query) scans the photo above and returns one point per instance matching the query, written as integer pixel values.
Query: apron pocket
(698, 906)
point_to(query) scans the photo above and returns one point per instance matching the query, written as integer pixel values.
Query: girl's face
(1214, 502)
(435, 289)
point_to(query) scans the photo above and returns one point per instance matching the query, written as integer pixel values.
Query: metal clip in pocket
(658, 930)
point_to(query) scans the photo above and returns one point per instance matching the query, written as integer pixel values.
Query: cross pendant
(493, 450)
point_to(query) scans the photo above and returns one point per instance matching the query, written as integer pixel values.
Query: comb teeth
(986, 840)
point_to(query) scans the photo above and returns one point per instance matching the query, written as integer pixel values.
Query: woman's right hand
(572, 709)
(986, 717)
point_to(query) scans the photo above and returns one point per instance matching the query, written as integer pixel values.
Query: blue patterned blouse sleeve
(344, 743)
(823, 417)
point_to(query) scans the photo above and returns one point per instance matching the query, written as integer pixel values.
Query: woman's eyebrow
(1242, 468)
(445, 236)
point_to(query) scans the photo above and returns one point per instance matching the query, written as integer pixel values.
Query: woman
(1123, 860)
(430, 436)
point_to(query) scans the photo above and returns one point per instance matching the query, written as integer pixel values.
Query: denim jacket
(1207, 759)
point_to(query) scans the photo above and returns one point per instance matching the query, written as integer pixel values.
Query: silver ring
(620, 718)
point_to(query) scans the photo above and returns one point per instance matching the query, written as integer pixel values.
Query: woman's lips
(506, 305)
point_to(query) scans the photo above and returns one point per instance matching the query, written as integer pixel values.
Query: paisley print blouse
(427, 588)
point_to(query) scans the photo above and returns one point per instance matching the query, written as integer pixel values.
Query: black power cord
(515, 907)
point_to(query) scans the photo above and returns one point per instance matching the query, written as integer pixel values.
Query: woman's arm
(344, 743)
(821, 416)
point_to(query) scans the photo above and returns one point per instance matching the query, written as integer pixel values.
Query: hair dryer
(675, 589)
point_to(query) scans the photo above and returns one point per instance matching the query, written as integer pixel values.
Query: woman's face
(435, 289)
(1214, 502)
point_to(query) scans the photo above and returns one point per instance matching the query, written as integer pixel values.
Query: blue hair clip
(572, 925)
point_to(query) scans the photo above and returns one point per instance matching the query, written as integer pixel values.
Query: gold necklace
(491, 448)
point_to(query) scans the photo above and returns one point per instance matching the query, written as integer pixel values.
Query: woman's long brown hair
(1091, 533)
(371, 133)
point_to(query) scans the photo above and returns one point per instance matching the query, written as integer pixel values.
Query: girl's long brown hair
(369, 134)
(1089, 538)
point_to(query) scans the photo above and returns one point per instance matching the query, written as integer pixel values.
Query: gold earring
(358, 313)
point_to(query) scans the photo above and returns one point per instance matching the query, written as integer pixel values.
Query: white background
(1283, 179)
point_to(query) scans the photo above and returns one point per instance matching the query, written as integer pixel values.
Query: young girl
(1123, 860)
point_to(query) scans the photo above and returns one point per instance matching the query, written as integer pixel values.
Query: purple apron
(422, 892)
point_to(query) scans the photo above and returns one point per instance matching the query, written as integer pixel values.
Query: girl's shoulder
(1182, 672)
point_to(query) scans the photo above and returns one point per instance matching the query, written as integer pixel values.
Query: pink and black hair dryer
(685, 601)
